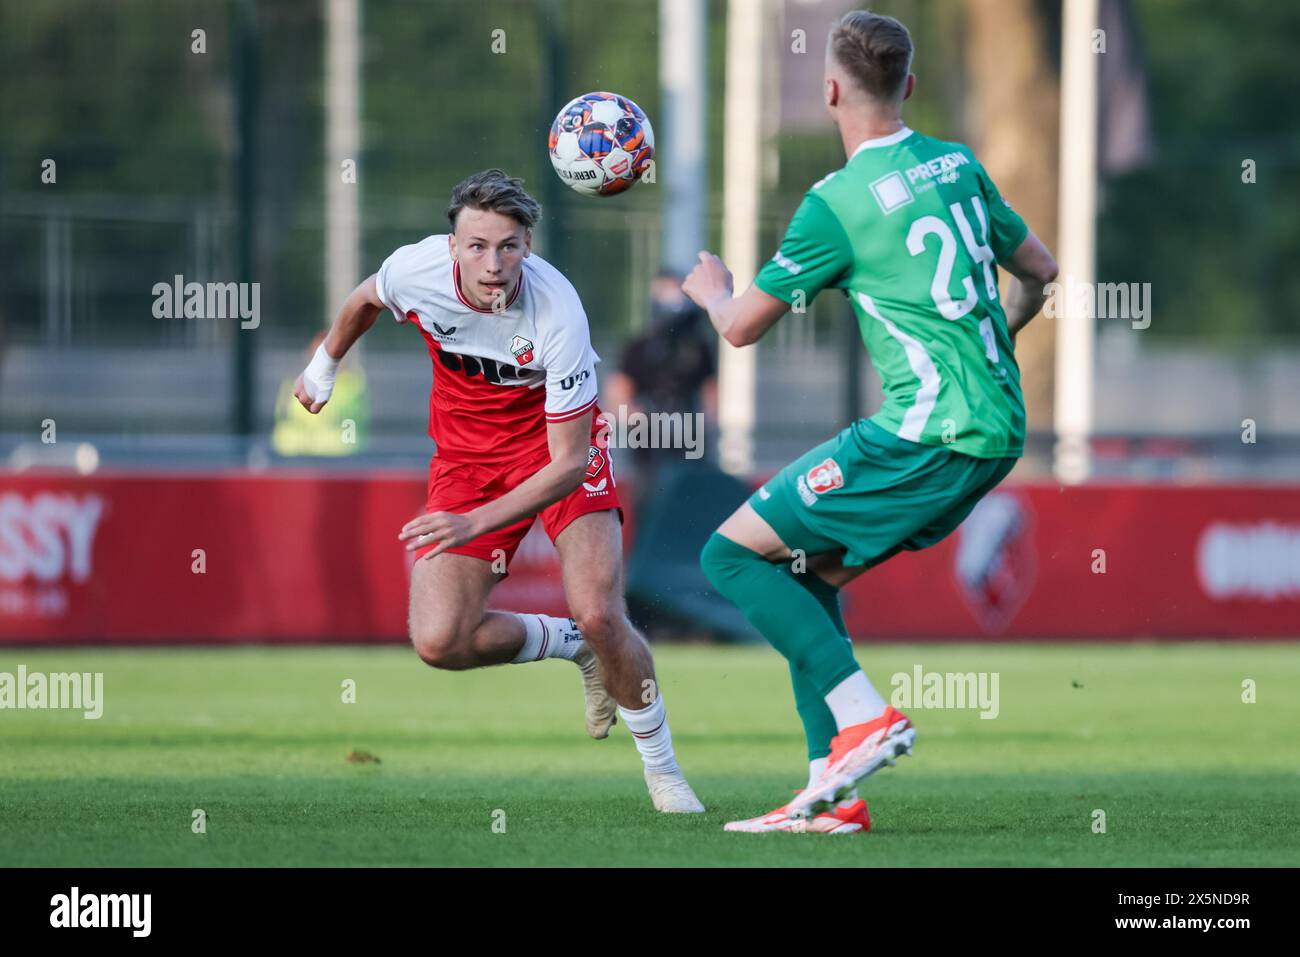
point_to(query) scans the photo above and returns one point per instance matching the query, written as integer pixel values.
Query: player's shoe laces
(847, 817)
(602, 709)
(671, 794)
(857, 752)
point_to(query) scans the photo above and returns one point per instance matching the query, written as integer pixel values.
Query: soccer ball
(601, 143)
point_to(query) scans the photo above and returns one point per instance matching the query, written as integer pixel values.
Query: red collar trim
(455, 284)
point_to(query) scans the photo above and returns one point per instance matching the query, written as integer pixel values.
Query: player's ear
(528, 242)
(451, 244)
(831, 93)
(909, 86)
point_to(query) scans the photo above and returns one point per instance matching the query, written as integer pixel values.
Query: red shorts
(462, 487)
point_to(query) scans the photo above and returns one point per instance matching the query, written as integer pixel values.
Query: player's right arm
(359, 311)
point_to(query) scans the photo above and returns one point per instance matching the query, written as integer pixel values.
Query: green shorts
(873, 494)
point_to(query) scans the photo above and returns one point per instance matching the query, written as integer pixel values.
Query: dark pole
(245, 57)
(554, 96)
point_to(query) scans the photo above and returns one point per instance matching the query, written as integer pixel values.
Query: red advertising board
(298, 556)
(1098, 561)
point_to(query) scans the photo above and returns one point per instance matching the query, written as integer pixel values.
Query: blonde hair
(875, 50)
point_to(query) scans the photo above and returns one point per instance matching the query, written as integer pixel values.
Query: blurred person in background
(671, 366)
(338, 428)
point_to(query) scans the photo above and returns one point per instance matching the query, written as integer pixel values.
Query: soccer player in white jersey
(513, 413)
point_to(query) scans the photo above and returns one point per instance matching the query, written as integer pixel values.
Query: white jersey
(499, 375)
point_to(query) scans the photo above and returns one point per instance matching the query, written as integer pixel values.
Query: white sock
(649, 728)
(547, 637)
(815, 768)
(854, 701)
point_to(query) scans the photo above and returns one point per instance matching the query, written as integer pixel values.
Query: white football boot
(849, 816)
(671, 794)
(602, 709)
(856, 753)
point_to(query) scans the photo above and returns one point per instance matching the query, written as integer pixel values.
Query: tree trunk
(1013, 115)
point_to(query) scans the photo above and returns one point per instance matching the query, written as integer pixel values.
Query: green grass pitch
(1157, 737)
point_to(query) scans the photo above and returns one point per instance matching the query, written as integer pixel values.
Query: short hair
(493, 190)
(875, 50)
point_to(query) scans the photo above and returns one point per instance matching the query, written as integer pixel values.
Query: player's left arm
(1034, 270)
(568, 444)
(1020, 253)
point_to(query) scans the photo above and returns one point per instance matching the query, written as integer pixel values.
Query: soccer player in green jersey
(913, 231)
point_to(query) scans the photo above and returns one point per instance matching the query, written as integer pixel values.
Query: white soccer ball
(601, 143)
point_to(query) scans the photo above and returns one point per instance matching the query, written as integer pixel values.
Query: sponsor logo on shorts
(597, 459)
(822, 478)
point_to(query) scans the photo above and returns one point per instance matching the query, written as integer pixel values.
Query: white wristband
(318, 378)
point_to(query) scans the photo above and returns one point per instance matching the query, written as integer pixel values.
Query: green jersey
(912, 230)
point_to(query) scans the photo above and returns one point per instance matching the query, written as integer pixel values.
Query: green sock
(818, 722)
(827, 595)
(783, 610)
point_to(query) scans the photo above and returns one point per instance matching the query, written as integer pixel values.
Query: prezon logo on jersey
(822, 478)
(938, 168)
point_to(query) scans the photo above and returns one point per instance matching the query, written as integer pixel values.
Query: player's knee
(439, 647)
(718, 560)
(598, 624)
